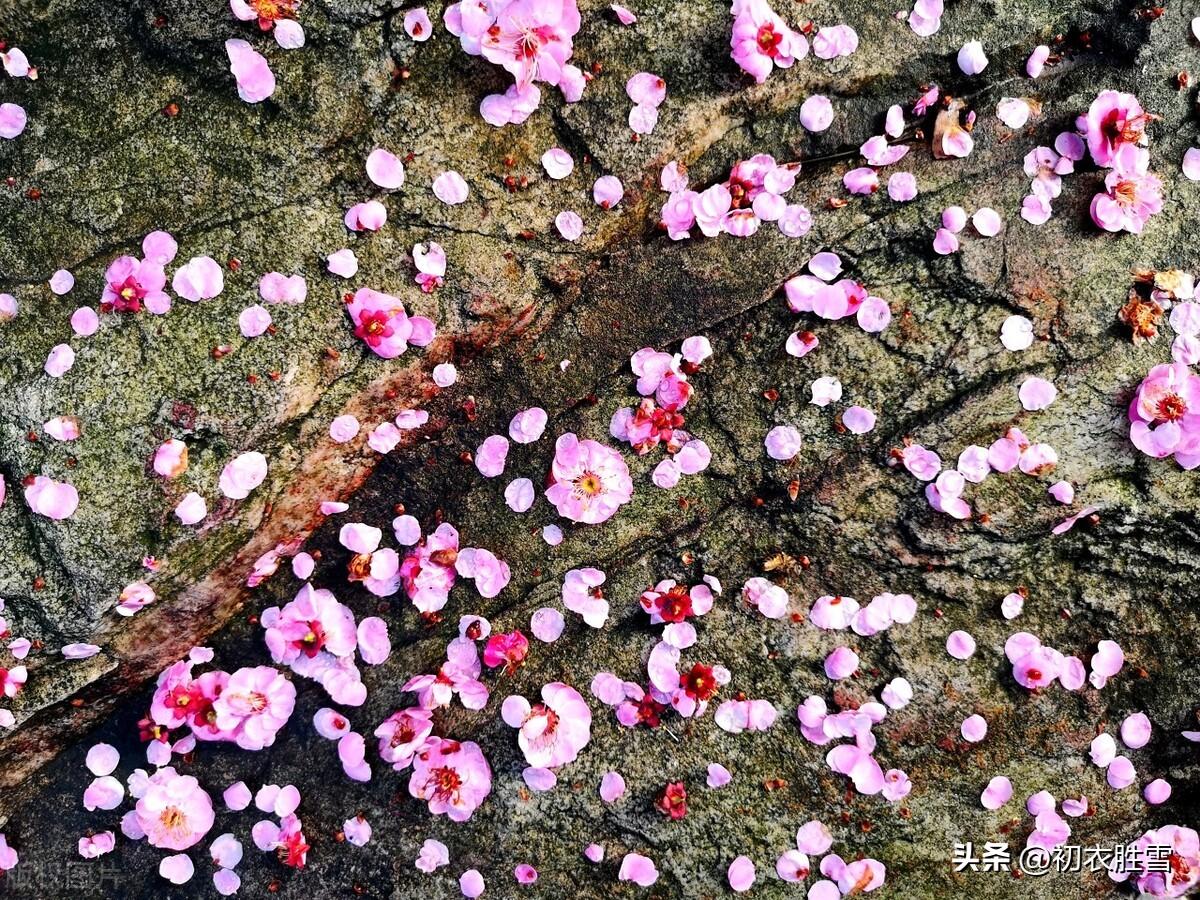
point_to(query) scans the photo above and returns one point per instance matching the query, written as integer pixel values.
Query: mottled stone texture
(267, 185)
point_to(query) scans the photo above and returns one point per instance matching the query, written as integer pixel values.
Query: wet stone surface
(267, 185)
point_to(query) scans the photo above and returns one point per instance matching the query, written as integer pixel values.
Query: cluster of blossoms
(878, 152)
(687, 691)
(761, 40)
(670, 602)
(944, 487)
(276, 16)
(819, 726)
(458, 675)
(172, 811)
(428, 571)
(1046, 166)
(884, 610)
(813, 842)
(529, 39)
(452, 776)
(753, 194)
(658, 419)
(13, 675)
(1036, 665)
(1115, 132)
(251, 71)
(817, 292)
(316, 636)
(247, 708)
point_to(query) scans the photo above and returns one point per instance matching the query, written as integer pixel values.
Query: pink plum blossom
(761, 41)
(1164, 414)
(382, 323)
(1114, 120)
(1132, 194)
(174, 812)
(402, 735)
(254, 704)
(588, 480)
(130, 283)
(453, 777)
(428, 572)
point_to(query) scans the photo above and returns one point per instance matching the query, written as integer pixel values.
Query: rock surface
(135, 125)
